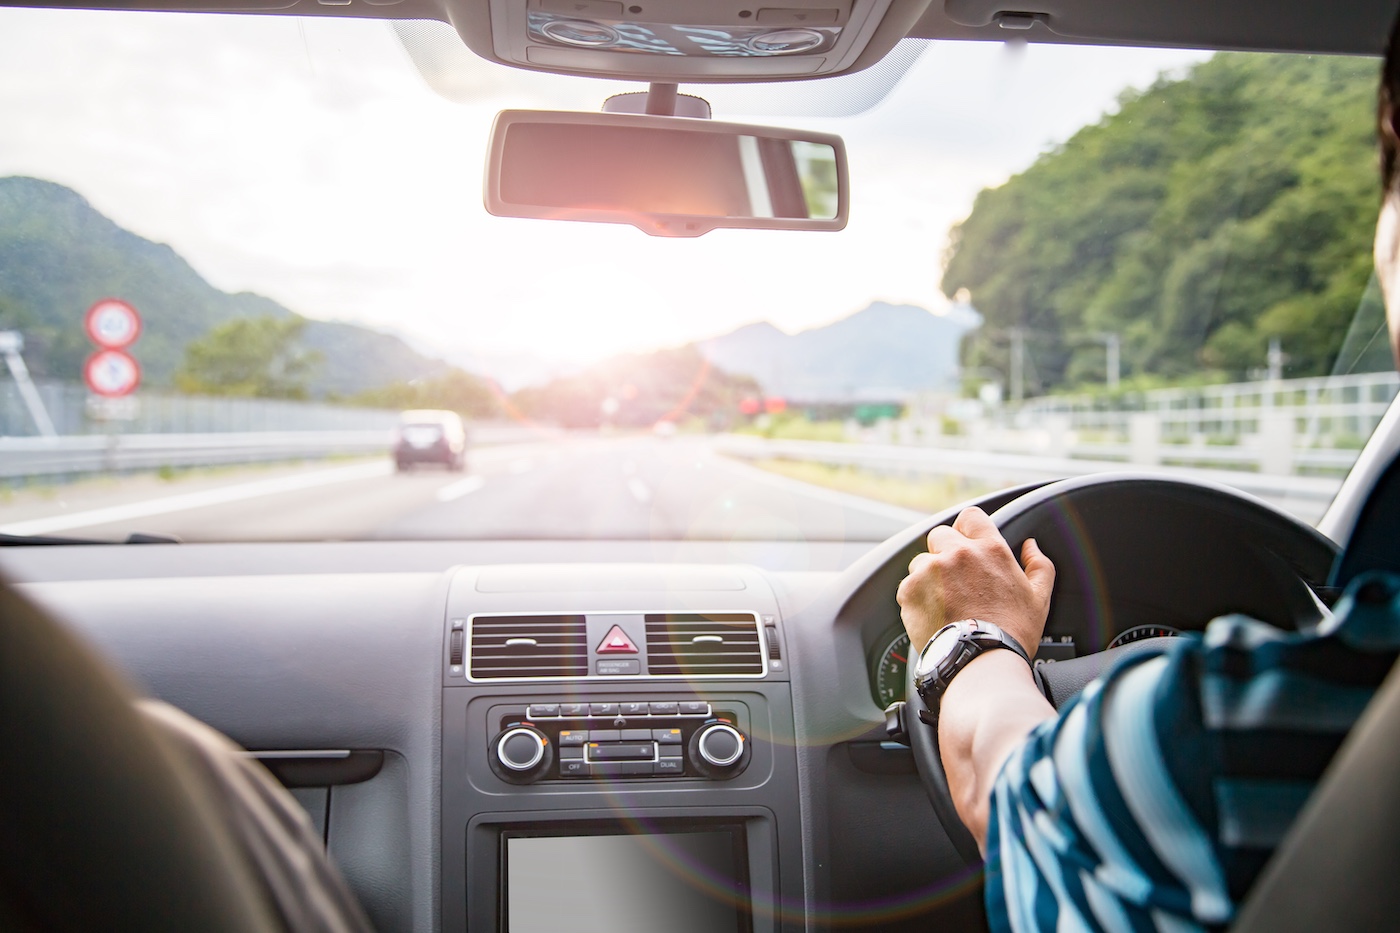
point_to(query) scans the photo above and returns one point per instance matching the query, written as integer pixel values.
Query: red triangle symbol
(616, 642)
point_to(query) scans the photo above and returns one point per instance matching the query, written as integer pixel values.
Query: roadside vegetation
(251, 357)
(793, 427)
(924, 494)
(1211, 213)
(453, 390)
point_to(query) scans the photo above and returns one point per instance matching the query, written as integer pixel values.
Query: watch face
(943, 645)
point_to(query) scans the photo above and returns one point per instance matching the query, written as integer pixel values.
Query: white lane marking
(640, 490)
(454, 491)
(523, 465)
(835, 497)
(196, 500)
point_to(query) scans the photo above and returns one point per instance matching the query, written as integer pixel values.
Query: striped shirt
(1155, 798)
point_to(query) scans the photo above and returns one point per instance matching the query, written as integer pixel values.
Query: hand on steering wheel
(1129, 549)
(969, 572)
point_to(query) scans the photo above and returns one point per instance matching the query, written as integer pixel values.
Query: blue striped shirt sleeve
(1156, 797)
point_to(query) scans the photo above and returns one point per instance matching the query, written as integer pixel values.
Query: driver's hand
(969, 572)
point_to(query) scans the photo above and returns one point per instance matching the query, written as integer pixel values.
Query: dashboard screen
(687, 882)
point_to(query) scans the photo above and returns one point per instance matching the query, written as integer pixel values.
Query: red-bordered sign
(111, 373)
(113, 324)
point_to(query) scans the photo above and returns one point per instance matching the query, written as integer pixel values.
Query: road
(622, 488)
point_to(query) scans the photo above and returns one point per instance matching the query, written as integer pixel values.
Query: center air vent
(529, 646)
(690, 643)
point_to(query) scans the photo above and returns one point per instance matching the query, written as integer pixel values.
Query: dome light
(581, 33)
(786, 41)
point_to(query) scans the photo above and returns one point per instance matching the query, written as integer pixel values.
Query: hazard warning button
(616, 642)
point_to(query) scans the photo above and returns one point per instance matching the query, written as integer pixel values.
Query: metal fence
(1327, 410)
(159, 413)
(1286, 427)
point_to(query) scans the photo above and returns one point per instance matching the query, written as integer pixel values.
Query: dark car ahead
(430, 437)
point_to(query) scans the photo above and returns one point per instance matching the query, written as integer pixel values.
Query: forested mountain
(1207, 215)
(58, 255)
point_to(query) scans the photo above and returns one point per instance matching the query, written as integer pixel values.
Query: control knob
(718, 750)
(521, 754)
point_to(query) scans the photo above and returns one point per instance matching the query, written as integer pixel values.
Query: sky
(309, 161)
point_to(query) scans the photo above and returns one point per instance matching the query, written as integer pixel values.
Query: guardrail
(99, 453)
(1010, 468)
(72, 411)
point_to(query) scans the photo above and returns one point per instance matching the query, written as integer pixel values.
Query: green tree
(256, 357)
(1208, 215)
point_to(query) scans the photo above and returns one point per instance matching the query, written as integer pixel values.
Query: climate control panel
(624, 739)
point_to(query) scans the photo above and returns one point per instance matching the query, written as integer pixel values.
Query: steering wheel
(1133, 549)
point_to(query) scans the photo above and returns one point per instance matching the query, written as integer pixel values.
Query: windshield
(236, 251)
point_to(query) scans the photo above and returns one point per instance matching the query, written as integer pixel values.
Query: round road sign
(112, 323)
(112, 373)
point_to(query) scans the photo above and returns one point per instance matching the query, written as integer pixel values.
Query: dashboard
(464, 719)
(713, 712)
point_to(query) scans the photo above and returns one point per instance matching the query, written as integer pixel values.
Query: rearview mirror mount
(668, 176)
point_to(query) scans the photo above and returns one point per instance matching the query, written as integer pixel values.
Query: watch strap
(1006, 641)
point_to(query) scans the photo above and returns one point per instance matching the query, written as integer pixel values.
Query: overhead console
(623, 729)
(678, 41)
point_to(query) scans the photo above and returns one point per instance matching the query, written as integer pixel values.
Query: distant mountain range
(58, 255)
(883, 351)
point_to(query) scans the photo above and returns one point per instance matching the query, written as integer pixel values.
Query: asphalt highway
(638, 488)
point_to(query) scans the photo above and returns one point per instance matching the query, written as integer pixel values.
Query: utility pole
(12, 345)
(1018, 364)
(1276, 360)
(1112, 342)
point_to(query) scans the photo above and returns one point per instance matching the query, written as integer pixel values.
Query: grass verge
(925, 494)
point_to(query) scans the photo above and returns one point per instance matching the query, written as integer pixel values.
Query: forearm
(988, 710)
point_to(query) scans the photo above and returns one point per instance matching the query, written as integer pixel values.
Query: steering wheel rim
(1277, 535)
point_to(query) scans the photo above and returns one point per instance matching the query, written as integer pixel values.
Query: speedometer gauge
(888, 670)
(1138, 633)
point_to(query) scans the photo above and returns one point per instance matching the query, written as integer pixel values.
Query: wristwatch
(951, 649)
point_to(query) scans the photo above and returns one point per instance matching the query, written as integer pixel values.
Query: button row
(578, 767)
(584, 710)
(580, 737)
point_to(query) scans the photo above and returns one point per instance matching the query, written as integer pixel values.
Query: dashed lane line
(454, 491)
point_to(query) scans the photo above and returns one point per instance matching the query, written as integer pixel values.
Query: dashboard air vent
(693, 643)
(529, 646)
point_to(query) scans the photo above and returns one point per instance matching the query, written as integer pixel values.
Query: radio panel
(643, 739)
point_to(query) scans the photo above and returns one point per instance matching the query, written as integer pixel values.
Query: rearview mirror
(668, 176)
